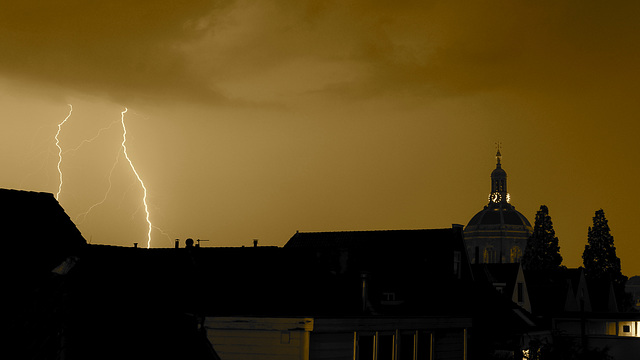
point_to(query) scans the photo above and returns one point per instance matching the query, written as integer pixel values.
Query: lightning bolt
(126, 155)
(84, 214)
(87, 141)
(60, 150)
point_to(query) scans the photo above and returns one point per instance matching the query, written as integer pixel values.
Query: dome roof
(498, 172)
(501, 216)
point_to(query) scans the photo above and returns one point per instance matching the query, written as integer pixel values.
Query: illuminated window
(516, 254)
(611, 327)
(627, 328)
(489, 255)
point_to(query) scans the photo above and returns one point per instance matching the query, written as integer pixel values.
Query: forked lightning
(144, 197)
(60, 151)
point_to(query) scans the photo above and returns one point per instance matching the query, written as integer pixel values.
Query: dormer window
(389, 296)
(520, 292)
(457, 264)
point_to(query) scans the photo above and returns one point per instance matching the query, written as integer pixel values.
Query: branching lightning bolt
(87, 141)
(144, 198)
(84, 214)
(60, 151)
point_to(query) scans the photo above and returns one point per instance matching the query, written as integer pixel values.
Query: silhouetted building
(37, 237)
(632, 287)
(582, 312)
(350, 295)
(391, 294)
(69, 300)
(430, 269)
(333, 296)
(498, 233)
(507, 279)
(35, 232)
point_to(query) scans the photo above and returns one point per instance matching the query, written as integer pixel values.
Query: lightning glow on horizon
(60, 151)
(144, 198)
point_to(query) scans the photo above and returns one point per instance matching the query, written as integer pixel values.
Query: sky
(256, 119)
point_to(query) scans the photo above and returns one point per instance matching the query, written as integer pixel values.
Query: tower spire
(499, 194)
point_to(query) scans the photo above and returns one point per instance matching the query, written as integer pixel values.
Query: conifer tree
(542, 251)
(599, 257)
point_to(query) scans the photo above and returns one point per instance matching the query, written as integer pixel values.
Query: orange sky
(254, 119)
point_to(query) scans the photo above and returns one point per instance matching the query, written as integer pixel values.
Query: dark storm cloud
(205, 50)
(475, 46)
(431, 47)
(121, 48)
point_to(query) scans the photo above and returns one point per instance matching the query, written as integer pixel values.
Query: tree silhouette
(542, 251)
(599, 257)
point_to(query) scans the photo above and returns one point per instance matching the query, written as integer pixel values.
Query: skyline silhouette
(252, 120)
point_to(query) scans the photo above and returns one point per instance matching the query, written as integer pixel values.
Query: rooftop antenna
(198, 245)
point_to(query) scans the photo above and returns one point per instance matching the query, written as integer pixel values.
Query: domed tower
(498, 233)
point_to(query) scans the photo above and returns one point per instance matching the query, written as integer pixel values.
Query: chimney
(135, 245)
(255, 243)
(177, 243)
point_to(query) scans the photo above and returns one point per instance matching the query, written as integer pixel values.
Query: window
(393, 345)
(611, 328)
(424, 346)
(390, 298)
(386, 347)
(285, 337)
(489, 255)
(407, 346)
(457, 263)
(364, 347)
(627, 328)
(520, 292)
(516, 254)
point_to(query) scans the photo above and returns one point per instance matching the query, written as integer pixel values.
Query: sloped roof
(498, 215)
(36, 236)
(35, 231)
(497, 273)
(548, 289)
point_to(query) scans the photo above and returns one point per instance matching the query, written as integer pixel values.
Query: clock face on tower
(496, 197)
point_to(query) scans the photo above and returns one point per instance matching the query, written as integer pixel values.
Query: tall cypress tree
(542, 251)
(599, 257)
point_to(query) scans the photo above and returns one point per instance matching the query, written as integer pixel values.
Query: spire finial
(498, 155)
